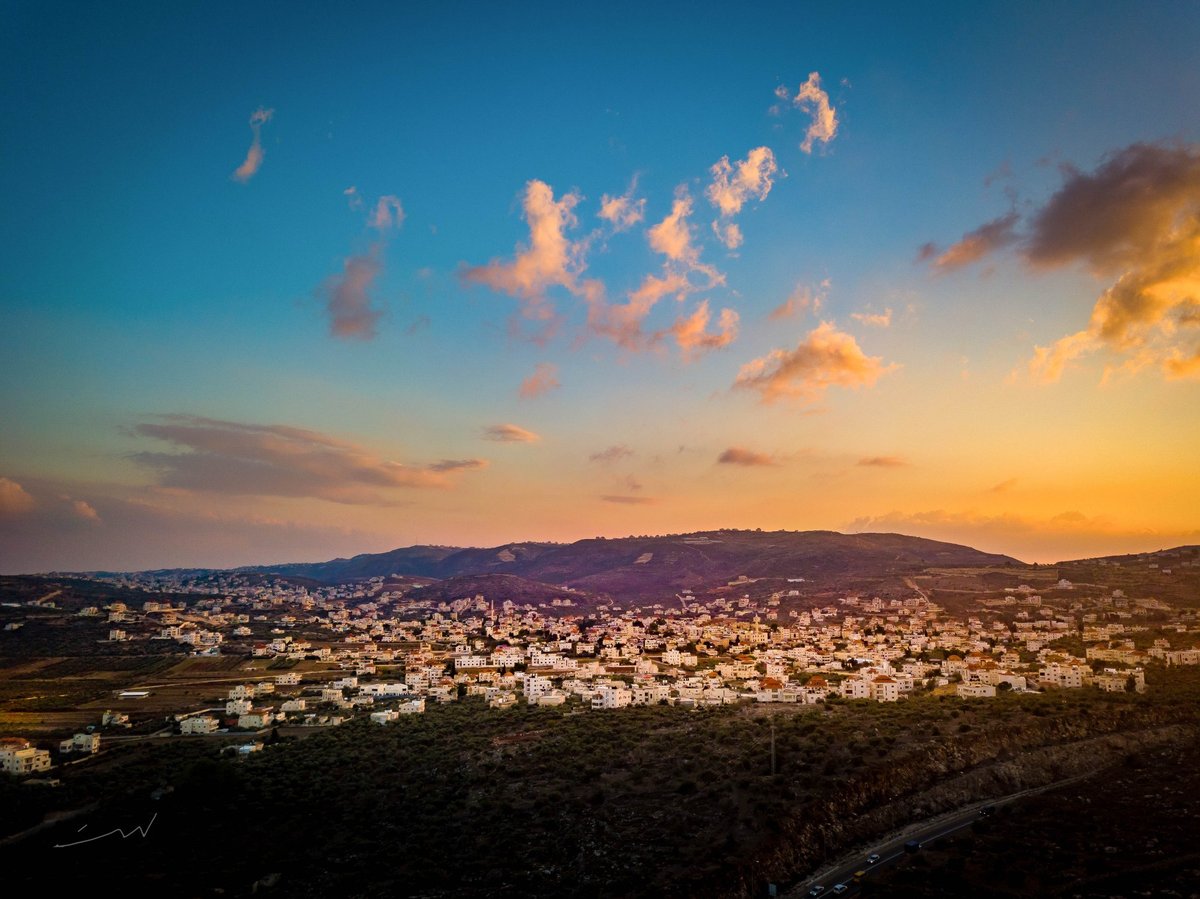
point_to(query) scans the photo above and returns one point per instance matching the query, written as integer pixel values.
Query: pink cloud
(883, 462)
(622, 322)
(973, 246)
(509, 433)
(623, 212)
(550, 260)
(348, 296)
(737, 455)
(611, 454)
(874, 319)
(458, 465)
(254, 156)
(672, 237)
(811, 99)
(14, 499)
(387, 213)
(543, 380)
(733, 185)
(84, 510)
(277, 460)
(825, 358)
(801, 299)
(692, 335)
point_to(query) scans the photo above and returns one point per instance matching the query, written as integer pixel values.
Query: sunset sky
(284, 283)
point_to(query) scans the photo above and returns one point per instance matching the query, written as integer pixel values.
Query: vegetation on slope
(540, 802)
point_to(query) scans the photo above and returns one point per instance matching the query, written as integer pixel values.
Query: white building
(199, 724)
(608, 696)
(536, 686)
(885, 689)
(1064, 675)
(857, 688)
(255, 719)
(18, 757)
(976, 690)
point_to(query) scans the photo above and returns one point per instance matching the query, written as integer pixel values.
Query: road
(891, 847)
(909, 582)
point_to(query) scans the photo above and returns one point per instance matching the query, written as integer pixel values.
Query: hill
(654, 565)
(497, 588)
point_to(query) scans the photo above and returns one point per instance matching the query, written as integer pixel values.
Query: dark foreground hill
(654, 565)
(654, 801)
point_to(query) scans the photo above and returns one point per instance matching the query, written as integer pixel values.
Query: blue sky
(141, 280)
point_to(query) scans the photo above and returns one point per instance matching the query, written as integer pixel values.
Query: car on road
(987, 810)
(912, 846)
(840, 888)
(872, 858)
(817, 890)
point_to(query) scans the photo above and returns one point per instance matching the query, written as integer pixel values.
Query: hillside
(657, 565)
(649, 801)
(497, 588)
(415, 560)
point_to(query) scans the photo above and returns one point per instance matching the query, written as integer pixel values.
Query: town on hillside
(259, 653)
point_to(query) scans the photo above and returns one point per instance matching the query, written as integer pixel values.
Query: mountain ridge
(649, 564)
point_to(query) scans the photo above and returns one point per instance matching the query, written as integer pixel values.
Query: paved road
(891, 847)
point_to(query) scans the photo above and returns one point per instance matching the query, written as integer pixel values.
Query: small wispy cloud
(625, 211)
(611, 454)
(883, 462)
(739, 455)
(14, 499)
(972, 246)
(692, 335)
(623, 322)
(629, 500)
(874, 319)
(672, 237)
(734, 184)
(803, 298)
(347, 296)
(388, 213)
(458, 465)
(811, 99)
(254, 156)
(509, 433)
(85, 510)
(543, 380)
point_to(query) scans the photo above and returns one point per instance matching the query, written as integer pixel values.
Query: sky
(282, 282)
